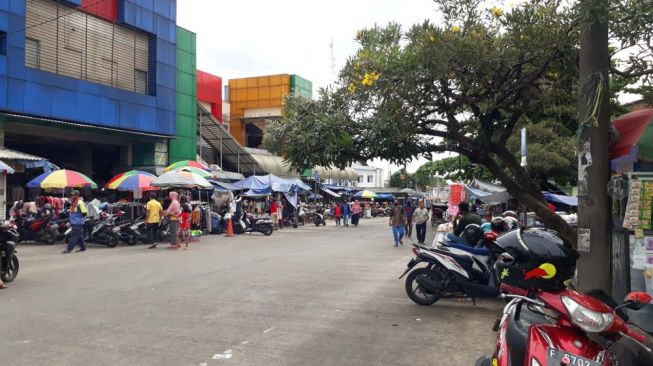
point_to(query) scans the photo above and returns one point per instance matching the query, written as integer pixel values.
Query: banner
(456, 195)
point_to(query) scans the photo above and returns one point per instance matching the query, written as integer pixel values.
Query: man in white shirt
(421, 217)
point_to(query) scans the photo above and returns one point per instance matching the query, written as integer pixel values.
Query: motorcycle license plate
(557, 357)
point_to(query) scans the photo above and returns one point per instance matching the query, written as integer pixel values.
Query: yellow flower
(455, 29)
(497, 12)
(370, 78)
(352, 88)
(432, 38)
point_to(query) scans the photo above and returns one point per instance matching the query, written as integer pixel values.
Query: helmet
(510, 214)
(535, 259)
(498, 225)
(472, 234)
(511, 223)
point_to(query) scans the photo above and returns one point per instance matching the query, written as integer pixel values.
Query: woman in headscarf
(356, 213)
(173, 213)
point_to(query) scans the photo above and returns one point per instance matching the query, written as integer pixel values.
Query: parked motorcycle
(453, 271)
(248, 224)
(133, 232)
(100, 231)
(9, 264)
(546, 323)
(42, 230)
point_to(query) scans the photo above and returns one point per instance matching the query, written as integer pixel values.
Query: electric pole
(594, 234)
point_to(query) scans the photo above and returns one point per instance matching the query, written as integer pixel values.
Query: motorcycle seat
(517, 332)
(468, 249)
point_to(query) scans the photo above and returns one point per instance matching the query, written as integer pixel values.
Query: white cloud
(261, 37)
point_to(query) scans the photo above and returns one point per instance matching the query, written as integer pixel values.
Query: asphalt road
(307, 296)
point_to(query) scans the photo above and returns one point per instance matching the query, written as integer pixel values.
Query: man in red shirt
(273, 213)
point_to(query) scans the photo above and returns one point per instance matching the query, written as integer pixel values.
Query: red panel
(209, 90)
(106, 9)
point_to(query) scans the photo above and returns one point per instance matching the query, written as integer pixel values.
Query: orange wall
(255, 92)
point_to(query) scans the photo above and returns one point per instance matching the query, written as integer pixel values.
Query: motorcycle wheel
(267, 230)
(415, 291)
(132, 240)
(317, 223)
(112, 241)
(49, 239)
(12, 271)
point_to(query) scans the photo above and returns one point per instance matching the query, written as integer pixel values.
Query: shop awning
(223, 174)
(634, 129)
(335, 173)
(299, 183)
(8, 154)
(224, 185)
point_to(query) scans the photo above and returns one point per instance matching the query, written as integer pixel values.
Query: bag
(76, 218)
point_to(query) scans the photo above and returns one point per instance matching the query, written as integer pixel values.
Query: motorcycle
(131, 233)
(453, 271)
(42, 230)
(250, 225)
(566, 327)
(101, 231)
(301, 216)
(9, 264)
(319, 217)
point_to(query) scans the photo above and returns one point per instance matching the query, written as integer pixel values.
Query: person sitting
(464, 218)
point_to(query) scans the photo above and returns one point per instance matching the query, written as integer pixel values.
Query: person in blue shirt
(346, 211)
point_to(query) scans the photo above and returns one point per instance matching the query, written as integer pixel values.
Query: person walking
(280, 207)
(337, 213)
(421, 216)
(409, 209)
(346, 211)
(356, 213)
(273, 214)
(173, 213)
(184, 222)
(77, 213)
(153, 215)
(398, 223)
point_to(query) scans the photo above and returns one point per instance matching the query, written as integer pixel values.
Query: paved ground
(307, 296)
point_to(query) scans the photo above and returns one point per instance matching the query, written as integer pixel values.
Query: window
(140, 81)
(360, 179)
(85, 47)
(32, 53)
(370, 179)
(3, 43)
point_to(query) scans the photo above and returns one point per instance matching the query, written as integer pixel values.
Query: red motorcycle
(547, 324)
(40, 229)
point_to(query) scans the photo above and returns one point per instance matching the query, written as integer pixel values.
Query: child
(337, 214)
(184, 223)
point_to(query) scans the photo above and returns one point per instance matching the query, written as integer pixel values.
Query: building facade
(369, 176)
(95, 86)
(254, 101)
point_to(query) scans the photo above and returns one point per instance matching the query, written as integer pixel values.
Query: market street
(307, 296)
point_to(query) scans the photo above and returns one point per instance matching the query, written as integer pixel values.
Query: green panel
(185, 62)
(185, 105)
(185, 83)
(182, 148)
(143, 154)
(184, 126)
(185, 40)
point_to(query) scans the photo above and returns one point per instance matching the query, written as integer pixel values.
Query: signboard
(584, 240)
(523, 147)
(456, 195)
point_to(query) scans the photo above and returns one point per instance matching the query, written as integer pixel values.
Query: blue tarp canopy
(265, 182)
(335, 188)
(330, 192)
(560, 199)
(385, 196)
(299, 183)
(224, 186)
(315, 196)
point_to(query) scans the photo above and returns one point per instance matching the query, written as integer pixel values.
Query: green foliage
(403, 179)
(456, 168)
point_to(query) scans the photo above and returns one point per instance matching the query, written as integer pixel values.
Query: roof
(8, 154)
(334, 173)
(275, 165)
(224, 144)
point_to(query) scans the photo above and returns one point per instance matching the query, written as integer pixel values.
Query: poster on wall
(456, 195)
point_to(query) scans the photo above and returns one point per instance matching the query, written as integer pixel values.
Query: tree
(456, 168)
(403, 179)
(464, 86)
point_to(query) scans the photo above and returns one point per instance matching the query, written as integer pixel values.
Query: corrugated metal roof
(8, 154)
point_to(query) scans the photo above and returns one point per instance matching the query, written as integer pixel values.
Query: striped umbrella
(365, 194)
(133, 180)
(201, 172)
(60, 179)
(185, 164)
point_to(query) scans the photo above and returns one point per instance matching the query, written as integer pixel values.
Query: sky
(242, 38)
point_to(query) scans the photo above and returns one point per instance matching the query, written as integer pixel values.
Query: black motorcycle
(246, 224)
(100, 231)
(8, 259)
(319, 217)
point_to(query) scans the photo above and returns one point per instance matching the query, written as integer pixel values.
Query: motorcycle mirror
(637, 300)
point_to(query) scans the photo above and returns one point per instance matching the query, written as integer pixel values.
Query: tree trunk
(593, 168)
